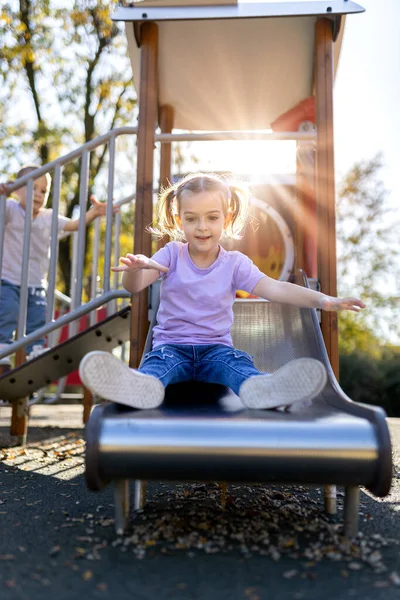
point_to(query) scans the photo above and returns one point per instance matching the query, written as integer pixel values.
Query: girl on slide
(192, 340)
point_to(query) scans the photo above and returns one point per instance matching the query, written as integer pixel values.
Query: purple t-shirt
(196, 304)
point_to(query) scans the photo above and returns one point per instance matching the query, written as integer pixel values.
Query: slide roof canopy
(233, 67)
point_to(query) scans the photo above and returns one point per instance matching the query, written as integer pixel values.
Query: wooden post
(87, 404)
(325, 181)
(310, 240)
(306, 214)
(166, 126)
(20, 408)
(148, 106)
(299, 216)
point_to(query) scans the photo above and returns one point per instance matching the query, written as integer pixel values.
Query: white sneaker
(111, 379)
(297, 381)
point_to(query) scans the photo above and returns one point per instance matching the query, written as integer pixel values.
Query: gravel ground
(57, 538)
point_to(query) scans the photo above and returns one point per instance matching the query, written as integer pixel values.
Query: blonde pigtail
(238, 209)
(234, 195)
(166, 224)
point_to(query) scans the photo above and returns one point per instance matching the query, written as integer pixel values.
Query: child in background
(192, 340)
(38, 258)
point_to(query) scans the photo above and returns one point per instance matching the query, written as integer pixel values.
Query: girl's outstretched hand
(336, 304)
(135, 262)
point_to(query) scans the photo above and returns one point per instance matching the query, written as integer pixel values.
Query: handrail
(64, 320)
(63, 298)
(79, 238)
(163, 138)
(62, 160)
(111, 242)
(235, 135)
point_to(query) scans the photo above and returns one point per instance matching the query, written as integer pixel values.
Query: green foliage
(65, 79)
(390, 368)
(355, 335)
(56, 62)
(373, 380)
(360, 377)
(368, 267)
(368, 259)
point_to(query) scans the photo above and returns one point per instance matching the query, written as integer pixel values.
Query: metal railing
(96, 298)
(107, 295)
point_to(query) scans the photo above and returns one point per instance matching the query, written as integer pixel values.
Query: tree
(391, 375)
(368, 258)
(361, 377)
(66, 70)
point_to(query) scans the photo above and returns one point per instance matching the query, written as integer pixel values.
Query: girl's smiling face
(202, 219)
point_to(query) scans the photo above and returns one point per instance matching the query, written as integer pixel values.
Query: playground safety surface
(57, 538)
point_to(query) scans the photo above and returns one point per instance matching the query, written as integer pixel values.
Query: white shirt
(39, 256)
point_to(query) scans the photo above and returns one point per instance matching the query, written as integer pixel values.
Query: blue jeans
(9, 308)
(213, 363)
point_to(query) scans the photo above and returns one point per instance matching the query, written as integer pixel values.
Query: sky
(366, 102)
(367, 92)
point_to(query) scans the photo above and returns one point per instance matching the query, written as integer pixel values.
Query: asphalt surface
(57, 538)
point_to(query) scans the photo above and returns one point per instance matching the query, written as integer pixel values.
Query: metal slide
(202, 432)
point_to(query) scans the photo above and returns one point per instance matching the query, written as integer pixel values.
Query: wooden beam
(20, 408)
(299, 214)
(19, 420)
(148, 108)
(87, 404)
(325, 181)
(306, 213)
(166, 126)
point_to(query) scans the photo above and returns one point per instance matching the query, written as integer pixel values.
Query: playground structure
(261, 66)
